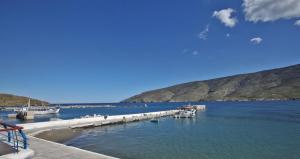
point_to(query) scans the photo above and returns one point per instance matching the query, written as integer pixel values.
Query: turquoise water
(226, 130)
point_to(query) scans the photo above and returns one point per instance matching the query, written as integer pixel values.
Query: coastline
(220, 100)
(85, 105)
(60, 135)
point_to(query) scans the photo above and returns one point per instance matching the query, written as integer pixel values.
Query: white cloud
(195, 52)
(256, 40)
(271, 10)
(297, 22)
(225, 16)
(203, 34)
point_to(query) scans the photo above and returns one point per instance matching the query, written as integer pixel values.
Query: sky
(108, 50)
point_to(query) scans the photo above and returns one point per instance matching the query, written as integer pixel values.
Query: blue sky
(108, 50)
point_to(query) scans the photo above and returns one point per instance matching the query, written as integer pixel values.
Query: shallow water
(226, 130)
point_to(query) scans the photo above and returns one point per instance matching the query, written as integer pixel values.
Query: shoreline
(220, 100)
(84, 105)
(59, 135)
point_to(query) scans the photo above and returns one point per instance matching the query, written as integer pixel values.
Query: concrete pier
(44, 149)
(93, 121)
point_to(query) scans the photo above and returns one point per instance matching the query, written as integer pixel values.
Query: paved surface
(44, 149)
(93, 120)
(5, 149)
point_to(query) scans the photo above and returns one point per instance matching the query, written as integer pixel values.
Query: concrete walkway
(5, 149)
(93, 121)
(44, 149)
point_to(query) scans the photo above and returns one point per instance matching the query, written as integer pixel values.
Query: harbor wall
(94, 120)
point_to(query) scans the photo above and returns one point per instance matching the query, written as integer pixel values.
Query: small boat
(190, 107)
(185, 114)
(154, 120)
(199, 107)
(188, 111)
(25, 111)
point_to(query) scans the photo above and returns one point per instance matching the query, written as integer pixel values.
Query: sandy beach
(59, 135)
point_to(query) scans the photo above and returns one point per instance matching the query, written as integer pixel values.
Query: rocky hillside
(12, 100)
(275, 84)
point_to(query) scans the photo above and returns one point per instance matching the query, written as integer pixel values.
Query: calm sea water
(226, 130)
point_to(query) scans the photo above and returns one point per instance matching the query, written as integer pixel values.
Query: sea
(225, 130)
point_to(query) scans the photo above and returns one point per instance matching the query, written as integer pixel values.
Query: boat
(190, 107)
(199, 107)
(154, 120)
(185, 114)
(188, 111)
(25, 112)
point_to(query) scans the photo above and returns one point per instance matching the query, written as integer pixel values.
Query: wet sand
(59, 135)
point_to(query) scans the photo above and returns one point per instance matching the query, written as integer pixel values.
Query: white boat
(199, 107)
(186, 114)
(42, 110)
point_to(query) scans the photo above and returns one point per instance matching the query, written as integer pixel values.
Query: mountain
(13, 100)
(275, 84)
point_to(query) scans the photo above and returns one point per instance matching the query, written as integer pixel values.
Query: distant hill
(13, 100)
(275, 84)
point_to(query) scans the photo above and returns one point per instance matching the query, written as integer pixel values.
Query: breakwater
(94, 121)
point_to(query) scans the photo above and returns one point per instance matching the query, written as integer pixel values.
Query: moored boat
(29, 112)
(185, 114)
(154, 120)
(188, 111)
